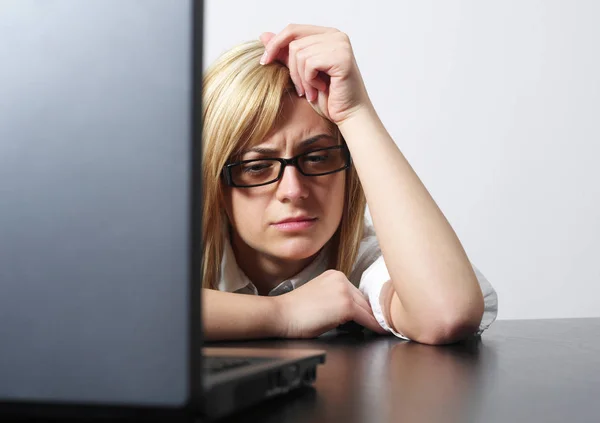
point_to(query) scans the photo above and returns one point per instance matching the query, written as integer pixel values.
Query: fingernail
(298, 91)
(263, 59)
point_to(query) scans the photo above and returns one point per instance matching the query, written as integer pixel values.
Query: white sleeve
(376, 276)
(371, 285)
(490, 298)
(369, 274)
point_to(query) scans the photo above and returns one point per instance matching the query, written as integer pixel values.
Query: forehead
(297, 122)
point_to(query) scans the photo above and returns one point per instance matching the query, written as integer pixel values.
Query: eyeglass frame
(293, 161)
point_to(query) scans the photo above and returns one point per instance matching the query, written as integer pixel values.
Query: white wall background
(496, 105)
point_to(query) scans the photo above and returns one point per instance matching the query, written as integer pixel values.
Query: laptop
(100, 217)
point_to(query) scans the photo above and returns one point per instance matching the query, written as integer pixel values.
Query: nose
(292, 185)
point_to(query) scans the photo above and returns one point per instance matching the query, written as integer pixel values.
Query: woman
(293, 151)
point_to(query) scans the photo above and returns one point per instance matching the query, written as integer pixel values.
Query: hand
(322, 304)
(322, 66)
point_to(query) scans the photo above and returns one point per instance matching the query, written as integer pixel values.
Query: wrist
(279, 316)
(358, 118)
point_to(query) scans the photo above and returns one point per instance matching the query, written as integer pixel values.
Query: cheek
(334, 197)
(246, 212)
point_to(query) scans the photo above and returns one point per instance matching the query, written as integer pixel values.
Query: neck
(264, 270)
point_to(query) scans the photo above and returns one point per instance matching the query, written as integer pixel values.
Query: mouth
(296, 224)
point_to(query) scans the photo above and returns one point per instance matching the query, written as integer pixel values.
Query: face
(254, 212)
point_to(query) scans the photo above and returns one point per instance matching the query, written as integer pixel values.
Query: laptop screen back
(95, 171)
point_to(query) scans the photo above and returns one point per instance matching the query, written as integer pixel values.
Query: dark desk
(520, 371)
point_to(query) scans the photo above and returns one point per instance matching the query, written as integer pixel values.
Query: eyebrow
(303, 144)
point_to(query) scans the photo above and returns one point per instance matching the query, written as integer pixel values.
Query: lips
(295, 224)
(296, 219)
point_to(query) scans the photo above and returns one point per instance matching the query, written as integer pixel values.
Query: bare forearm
(238, 316)
(431, 274)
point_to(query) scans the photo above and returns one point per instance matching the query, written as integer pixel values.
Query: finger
(289, 34)
(301, 59)
(360, 299)
(319, 82)
(362, 302)
(265, 37)
(298, 51)
(366, 319)
(293, 67)
(314, 45)
(315, 65)
(311, 74)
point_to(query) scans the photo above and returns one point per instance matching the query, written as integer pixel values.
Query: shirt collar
(233, 279)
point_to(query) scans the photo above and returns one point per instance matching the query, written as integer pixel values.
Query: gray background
(496, 106)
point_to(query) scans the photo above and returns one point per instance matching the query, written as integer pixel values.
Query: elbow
(452, 327)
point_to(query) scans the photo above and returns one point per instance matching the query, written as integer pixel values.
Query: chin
(296, 249)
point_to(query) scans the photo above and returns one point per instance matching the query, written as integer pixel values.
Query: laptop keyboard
(219, 364)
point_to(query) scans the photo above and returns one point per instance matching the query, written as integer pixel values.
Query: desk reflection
(433, 384)
(382, 379)
(389, 380)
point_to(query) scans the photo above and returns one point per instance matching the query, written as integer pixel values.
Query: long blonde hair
(241, 103)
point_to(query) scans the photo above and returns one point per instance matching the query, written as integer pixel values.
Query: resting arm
(232, 316)
(434, 296)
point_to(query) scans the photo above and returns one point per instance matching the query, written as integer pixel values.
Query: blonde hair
(241, 103)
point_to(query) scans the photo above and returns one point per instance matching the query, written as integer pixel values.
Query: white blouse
(369, 273)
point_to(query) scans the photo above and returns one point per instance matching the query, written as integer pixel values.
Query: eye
(256, 167)
(317, 158)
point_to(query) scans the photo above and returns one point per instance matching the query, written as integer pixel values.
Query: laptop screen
(95, 214)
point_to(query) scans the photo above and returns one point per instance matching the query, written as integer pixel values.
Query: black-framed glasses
(258, 172)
